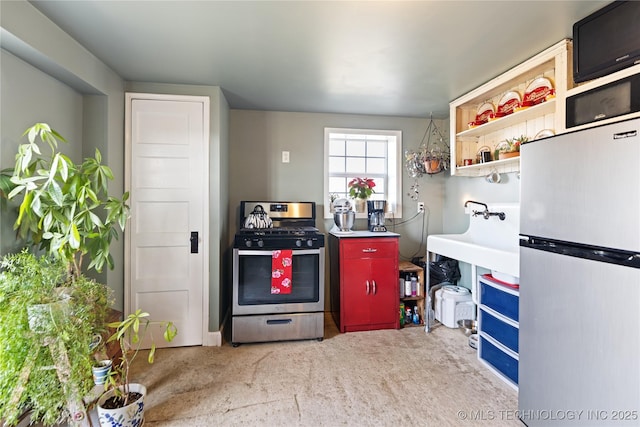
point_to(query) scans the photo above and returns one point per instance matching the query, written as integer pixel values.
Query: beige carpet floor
(378, 378)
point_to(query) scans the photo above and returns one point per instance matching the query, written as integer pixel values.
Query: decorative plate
(537, 92)
(508, 103)
(544, 133)
(485, 111)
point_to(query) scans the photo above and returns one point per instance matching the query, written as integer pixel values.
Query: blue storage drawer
(501, 301)
(500, 360)
(501, 331)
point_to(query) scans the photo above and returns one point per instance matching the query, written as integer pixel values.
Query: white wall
(460, 189)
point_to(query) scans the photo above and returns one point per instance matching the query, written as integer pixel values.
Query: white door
(166, 163)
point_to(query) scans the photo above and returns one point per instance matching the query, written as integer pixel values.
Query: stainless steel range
(278, 273)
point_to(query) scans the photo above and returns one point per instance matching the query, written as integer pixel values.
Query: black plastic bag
(443, 269)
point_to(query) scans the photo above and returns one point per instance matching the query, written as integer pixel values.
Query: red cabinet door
(384, 298)
(356, 294)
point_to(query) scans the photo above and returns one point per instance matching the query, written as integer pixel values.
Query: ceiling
(397, 58)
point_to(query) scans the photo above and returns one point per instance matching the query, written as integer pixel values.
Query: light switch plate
(285, 157)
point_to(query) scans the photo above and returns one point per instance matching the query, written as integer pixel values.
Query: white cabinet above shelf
(553, 64)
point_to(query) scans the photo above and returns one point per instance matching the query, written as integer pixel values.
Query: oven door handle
(268, 252)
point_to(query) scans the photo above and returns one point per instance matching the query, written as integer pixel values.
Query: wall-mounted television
(606, 41)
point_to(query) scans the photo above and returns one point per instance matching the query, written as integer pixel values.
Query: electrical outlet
(420, 207)
(285, 157)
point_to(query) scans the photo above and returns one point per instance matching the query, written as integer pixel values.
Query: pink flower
(286, 261)
(361, 188)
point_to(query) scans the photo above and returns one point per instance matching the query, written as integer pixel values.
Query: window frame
(393, 173)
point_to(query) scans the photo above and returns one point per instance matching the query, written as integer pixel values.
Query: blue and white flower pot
(101, 371)
(131, 415)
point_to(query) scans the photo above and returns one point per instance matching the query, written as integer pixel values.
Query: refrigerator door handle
(594, 253)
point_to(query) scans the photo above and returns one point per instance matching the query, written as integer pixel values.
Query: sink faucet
(485, 214)
(486, 208)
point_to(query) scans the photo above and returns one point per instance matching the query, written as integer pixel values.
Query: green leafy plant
(65, 211)
(361, 188)
(65, 208)
(25, 280)
(511, 145)
(129, 333)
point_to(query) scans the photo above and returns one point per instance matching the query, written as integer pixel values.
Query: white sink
(489, 243)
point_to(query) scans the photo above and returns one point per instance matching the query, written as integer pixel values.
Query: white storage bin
(453, 303)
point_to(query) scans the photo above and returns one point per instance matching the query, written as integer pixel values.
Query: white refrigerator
(579, 350)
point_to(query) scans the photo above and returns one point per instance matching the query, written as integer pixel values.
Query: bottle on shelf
(416, 316)
(407, 286)
(414, 286)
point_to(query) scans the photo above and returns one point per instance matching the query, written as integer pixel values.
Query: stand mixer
(375, 215)
(343, 216)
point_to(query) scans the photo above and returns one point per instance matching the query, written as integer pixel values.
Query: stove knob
(260, 243)
(298, 243)
(248, 243)
(310, 243)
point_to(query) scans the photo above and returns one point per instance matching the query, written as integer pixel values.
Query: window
(375, 154)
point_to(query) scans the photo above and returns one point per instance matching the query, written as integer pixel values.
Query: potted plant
(61, 340)
(123, 403)
(434, 160)
(431, 158)
(361, 189)
(510, 147)
(66, 212)
(65, 209)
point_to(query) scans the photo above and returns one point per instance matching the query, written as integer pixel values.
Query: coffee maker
(375, 214)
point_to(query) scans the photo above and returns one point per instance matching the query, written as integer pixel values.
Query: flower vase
(361, 205)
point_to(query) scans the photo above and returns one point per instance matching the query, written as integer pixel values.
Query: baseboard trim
(213, 339)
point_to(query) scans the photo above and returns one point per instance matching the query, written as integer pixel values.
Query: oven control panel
(298, 242)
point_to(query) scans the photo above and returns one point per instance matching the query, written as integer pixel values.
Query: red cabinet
(364, 282)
